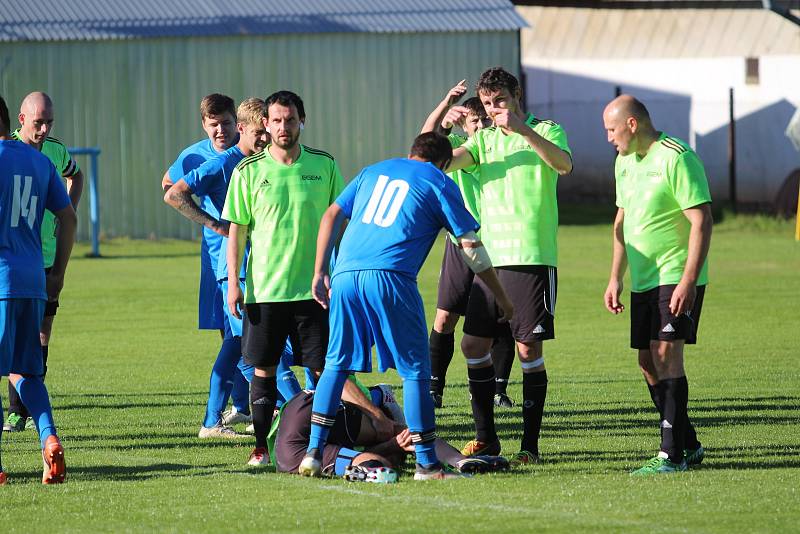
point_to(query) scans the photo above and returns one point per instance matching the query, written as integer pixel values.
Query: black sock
(263, 394)
(691, 434)
(442, 347)
(503, 352)
(45, 350)
(15, 403)
(534, 393)
(655, 396)
(675, 392)
(481, 388)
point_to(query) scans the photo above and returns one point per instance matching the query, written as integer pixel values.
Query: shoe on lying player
(389, 402)
(478, 448)
(437, 472)
(501, 400)
(659, 465)
(311, 466)
(220, 431)
(258, 457)
(482, 464)
(379, 475)
(233, 416)
(3, 478)
(55, 468)
(14, 423)
(524, 458)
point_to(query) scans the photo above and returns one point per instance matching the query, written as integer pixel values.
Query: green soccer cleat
(694, 456)
(659, 465)
(29, 424)
(14, 423)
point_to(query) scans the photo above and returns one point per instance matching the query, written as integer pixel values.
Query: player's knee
(532, 366)
(475, 347)
(265, 372)
(445, 322)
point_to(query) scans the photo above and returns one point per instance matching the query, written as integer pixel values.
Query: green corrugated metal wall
(366, 96)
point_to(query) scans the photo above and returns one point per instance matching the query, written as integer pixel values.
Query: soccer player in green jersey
(455, 277)
(36, 121)
(663, 231)
(519, 161)
(275, 198)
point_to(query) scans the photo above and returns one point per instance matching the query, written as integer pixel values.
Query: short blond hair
(251, 111)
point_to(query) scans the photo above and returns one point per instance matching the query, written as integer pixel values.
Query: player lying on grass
(396, 210)
(357, 446)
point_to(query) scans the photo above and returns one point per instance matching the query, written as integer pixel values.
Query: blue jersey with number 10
(396, 209)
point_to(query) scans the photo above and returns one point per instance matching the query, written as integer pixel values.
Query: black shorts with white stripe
(651, 319)
(532, 290)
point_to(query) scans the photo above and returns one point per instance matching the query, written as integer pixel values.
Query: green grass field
(129, 375)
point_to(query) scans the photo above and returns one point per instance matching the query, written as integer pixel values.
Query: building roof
(70, 20)
(588, 33)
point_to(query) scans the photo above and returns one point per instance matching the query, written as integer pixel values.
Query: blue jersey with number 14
(396, 209)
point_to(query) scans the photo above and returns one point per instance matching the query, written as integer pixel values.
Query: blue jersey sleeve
(57, 197)
(203, 178)
(456, 218)
(347, 198)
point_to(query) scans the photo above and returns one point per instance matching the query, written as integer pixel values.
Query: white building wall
(688, 98)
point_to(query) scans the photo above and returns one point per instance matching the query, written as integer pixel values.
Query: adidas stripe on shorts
(652, 320)
(532, 290)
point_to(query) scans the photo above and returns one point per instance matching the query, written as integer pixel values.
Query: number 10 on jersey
(385, 203)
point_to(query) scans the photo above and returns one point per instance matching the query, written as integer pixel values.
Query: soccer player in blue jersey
(29, 184)
(396, 209)
(211, 180)
(218, 113)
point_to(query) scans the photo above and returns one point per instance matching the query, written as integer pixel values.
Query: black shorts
(532, 290)
(294, 431)
(455, 280)
(51, 307)
(266, 326)
(651, 319)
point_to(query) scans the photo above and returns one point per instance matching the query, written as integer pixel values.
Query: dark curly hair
(496, 79)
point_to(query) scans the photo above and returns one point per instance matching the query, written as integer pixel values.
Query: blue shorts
(20, 348)
(232, 325)
(381, 308)
(211, 314)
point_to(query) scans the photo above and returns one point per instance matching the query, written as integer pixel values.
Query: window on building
(751, 71)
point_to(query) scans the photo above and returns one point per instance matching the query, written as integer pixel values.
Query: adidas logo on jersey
(538, 330)
(264, 182)
(669, 329)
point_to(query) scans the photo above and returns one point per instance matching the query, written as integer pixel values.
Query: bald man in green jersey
(519, 161)
(36, 122)
(663, 231)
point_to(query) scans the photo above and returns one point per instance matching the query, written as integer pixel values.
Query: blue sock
(288, 386)
(326, 404)
(418, 409)
(311, 379)
(377, 397)
(221, 382)
(33, 394)
(240, 393)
